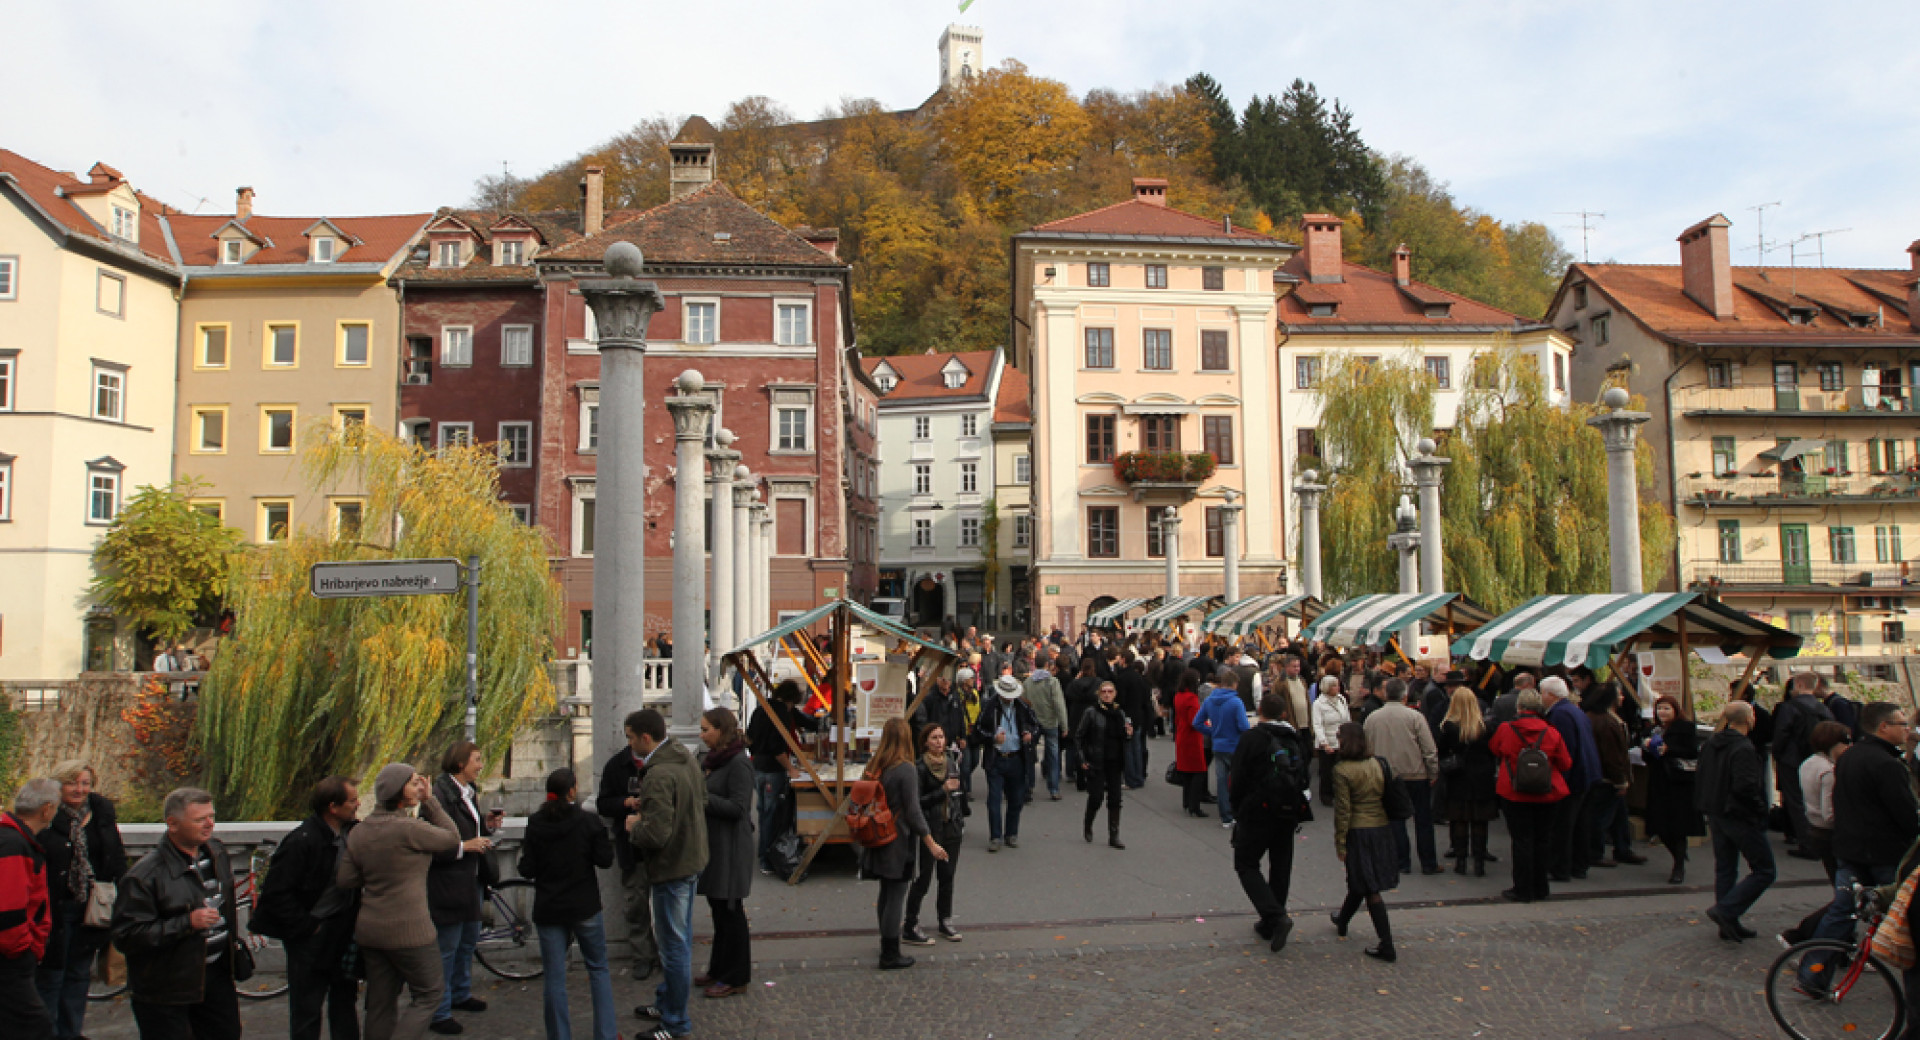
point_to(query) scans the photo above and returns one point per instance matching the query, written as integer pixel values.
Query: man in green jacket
(669, 832)
(1050, 711)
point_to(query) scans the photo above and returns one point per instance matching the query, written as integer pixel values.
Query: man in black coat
(1267, 809)
(1793, 723)
(313, 918)
(617, 799)
(1135, 697)
(1875, 814)
(1845, 711)
(1728, 790)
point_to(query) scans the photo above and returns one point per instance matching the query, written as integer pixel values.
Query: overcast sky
(1654, 113)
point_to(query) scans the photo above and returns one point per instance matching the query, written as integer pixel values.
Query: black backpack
(1285, 774)
(1532, 770)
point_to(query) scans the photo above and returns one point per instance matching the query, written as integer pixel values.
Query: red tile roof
(554, 227)
(688, 230)
(1014, 403)
(920, 377)
(51, 190)
(1370, 297)
(378, 238)
(1762, 299)
(1134, 217)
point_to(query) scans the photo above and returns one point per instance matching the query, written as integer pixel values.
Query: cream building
(1148, 336)
(286, 323)
(1013, 498)
(88, 324)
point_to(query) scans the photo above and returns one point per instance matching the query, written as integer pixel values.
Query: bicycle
(269, 978)
(506, 930)
(1850, 1004)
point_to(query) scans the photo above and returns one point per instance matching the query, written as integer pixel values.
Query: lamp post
(622, 307)
(744, 577)
(1426, 468)
(1621, 429)
(1406, 541)
(1170, 547)
(1230, 546)
(1310, 489)
(721, 459)
(692, 411)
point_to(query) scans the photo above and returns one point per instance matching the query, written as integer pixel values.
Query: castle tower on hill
(962, 55)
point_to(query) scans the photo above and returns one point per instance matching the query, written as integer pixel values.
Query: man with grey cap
(1004, 733)
(387, 857)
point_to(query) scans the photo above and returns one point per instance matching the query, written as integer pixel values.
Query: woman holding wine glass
(457, 881)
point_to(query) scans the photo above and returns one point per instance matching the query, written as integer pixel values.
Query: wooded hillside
(925, 200)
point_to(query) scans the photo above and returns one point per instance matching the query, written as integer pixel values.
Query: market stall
(1252, 615)
(1114, 615)
(1168, 615)
(1377, 620)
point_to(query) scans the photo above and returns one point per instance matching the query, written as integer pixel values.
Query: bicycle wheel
(1873, 1008)
(508, 945)
(98, 989)
(269, 979)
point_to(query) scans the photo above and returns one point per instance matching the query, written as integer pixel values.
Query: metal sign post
(430, 577)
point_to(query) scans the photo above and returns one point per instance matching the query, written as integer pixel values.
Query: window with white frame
(792, 420)
(922, 533)
(103, 491)
(790, 326)
(516, 346)
(6, 487)
(516, 444)
(231, 251)
(447, 254)
(922, 428)
(969, 425)
(348, 513)
(702, 322)
(923, 478)
(513, 252)
(355, 343)
(456, 434)
(109, 392)
(9, 277)
(126, 223)
(110, 295)
(275, 519)
(590, 425)
(456, 345)
(276, 429)
(7, 381)
(212, 347)
(1023, 469)
(209, 431)
(1022, 531)
(521, 511)
(283, 345)
(323, 250)
(969, 478)
(583, 519)
(969, 532)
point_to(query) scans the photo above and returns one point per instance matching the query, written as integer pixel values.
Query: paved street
(1065, 939)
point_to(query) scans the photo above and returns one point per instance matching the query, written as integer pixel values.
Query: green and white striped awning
(814, 616)
(1589, 630)
(1109, 616)
(1163, 617)
(1372, 620)
(1242, 617)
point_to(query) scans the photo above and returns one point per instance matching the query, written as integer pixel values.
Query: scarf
(79, 869)
(720, 756)
(936, 764)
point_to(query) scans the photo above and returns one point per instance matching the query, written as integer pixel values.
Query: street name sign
(430, 577)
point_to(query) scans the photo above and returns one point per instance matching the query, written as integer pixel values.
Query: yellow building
(1147, 334)
(1785, 407)
(287, 322)
(88, 323)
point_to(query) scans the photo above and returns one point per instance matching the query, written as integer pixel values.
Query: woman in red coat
(1529, 816)
(1189, 747)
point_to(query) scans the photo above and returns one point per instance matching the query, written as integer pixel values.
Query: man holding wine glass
(456, 884)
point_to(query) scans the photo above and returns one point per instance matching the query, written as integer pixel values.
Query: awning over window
(1110, 615)
(1793, 449)
(1589, 630)
(1242, 617)
(1372, 620)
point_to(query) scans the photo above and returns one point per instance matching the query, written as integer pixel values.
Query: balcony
(1169, 472)
(1856, 401)
(1773, 573)
(1799, 489)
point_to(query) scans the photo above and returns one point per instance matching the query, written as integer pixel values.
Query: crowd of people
(393, 896)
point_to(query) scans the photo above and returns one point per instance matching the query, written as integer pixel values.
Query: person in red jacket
(1189, 746)
(25, 919)
(1529, 815)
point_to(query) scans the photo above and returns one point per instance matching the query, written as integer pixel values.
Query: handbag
(240, 956)
(1173, 774)
(1893, 940)
(100, 904)
(1395, 799)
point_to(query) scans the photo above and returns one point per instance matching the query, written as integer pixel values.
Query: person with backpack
(941, 803)
(1103, 737)
(563, 847)
(1467, 765)
(1270, 782)
(1362, 786)
(313, 918)
(884, 817)
(1531, 782)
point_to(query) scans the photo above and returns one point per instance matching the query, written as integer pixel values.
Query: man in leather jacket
(174, 921)
(313, 918)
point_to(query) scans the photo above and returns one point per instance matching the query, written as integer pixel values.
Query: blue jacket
(1223, 718)
(1574, 728)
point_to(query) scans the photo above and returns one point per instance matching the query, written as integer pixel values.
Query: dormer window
(230, 251)
(323, 250)
(1800, 315)
(126, 224)
(447, 254)
(1439, 310)
(954, 375)
(886, 384)
(1322, 310)
(511, 252)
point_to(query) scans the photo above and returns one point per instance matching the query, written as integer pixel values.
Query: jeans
(1275, 842)
(673, 930)
(1222, 767)
(1006, 781)
(1733, 839)
(22, 1016)
(1421, 794)
(64, 971)
(592, 936)
(1134, 770)
(1531, 826)
(1049, 759)
(1837, 921)
(969, 761)
(216, 1017)
(892, 907)
(457, 942)
(776, 815)
(420, 968)
(312, 988)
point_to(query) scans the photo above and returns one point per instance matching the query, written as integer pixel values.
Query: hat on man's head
(391, 780)
(1007, 687)
(1456, 677)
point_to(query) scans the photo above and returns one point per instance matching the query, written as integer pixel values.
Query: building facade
(1013, 498)
(1785, 407)
(1147, 334)
(88, 335)
(937, 484)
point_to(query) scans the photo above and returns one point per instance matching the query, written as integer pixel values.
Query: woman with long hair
(1189, 746)
(1330, 712)
(728, 877)
(1362, 837)
(1672, 754)
(564, 845)
(1470, 803)
(940, 803)
(893, 765)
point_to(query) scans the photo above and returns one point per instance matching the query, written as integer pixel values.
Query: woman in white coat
(1330, 712)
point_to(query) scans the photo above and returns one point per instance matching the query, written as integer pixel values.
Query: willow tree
(307, 687)
(1371, 416)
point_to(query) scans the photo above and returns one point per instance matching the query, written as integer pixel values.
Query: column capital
(1170, 517)
(1618, 427)
(722, 459)
(1309, 488)
(622, 304)
(690, 417)
(743, 492)
(1426, 466)
(1405, 541)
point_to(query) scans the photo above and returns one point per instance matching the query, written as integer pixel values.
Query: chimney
(593, 201)
(243, 204)
(1322, 234)
(1402, 265)
(692, 170)
(1913, 289)
(1150, 190)
(1706, 272)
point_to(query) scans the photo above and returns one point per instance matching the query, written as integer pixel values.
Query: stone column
(762, 617)
(744, 576)
(1621, 429)
(1426, 468)
(722, 459)
(692, 411)
(1406, 541)
(1170, 545)
(1230, 546)
(1310, 489)
(622, 307)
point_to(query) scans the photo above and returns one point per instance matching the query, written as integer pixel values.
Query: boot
(1113, 829)
(1345, 916)
(1384, 949)
(1679, 875)
(890, 958)
(1479, 866)
(1460, 864)
(1086, 829)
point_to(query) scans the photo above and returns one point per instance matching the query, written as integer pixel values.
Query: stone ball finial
(690, 382)
(1311, 476)
(741, 473)
(1172, 513)
(724, 438)
(624, 260)
(1425, 446)
(1615, 398)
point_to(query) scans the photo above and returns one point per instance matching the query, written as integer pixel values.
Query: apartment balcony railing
(1862, 576)
(1854, 401)
(1791, 488)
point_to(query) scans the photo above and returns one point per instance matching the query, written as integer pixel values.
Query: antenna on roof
(1760, 221)
(1587, 217)
(1819, 239)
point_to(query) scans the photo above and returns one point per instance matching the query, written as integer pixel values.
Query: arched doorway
(1099, 603)
(929, 602)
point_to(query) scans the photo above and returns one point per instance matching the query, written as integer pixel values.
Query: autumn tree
(162, 563)
(307, 687)
(1008, 132)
